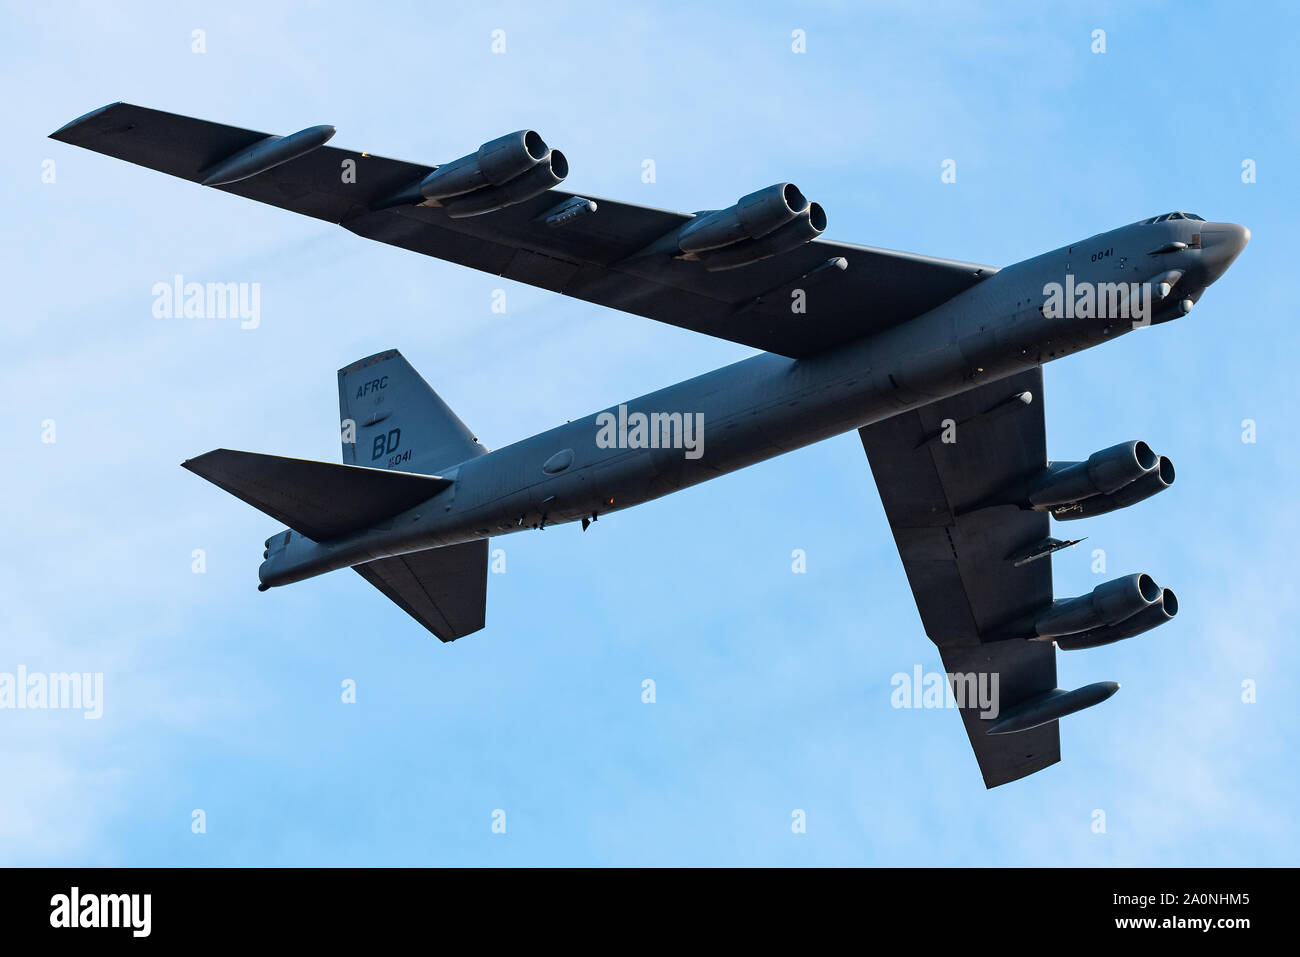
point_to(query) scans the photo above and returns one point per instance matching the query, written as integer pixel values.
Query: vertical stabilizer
(397, 421)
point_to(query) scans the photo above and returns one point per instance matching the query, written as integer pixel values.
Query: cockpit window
(1169, 216)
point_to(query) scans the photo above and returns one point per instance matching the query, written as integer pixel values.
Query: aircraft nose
(1221, 244)
(1231, 237)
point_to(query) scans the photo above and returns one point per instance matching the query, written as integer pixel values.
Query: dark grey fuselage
(769, 404)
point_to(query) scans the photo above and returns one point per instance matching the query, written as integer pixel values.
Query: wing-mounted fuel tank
(265, 154)
(1050, 706)
(765, 223)
(507, 170)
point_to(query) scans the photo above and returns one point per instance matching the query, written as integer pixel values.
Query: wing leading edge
(597, 258)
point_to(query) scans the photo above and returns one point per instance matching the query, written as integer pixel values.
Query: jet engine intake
(493, 164)
(752, 217)
(1151, 617)
(1157, 480)
(507, 170)
(1103, 473)
(1108, 604)
(808, 225)
(537, 180)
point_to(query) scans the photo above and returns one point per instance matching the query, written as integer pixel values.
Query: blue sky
(773, 689)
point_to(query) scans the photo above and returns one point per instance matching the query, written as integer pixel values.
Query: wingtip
(193, 463)
(84, 118)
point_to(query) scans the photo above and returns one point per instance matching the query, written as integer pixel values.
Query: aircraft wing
(600, 257)
(967, 569)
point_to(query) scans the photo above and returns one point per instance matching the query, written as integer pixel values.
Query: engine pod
(1153, 617)
(1107, 604)
(537, 180)
(495, 163)
(1101, 474)
(805, 227)
(752, 217)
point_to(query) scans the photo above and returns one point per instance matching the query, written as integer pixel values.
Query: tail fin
(395, 421)
(398, 422)
(405, 435)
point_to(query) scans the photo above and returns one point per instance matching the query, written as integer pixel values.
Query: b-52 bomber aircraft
(936, 363)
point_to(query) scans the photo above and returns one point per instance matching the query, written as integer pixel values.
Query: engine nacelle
(753, 217)
(807, 226)
(541, 177)
(1108, 604)
(506, 171)
(1157, 614)
(1157, 480)
(1104, 472)
(493, 164)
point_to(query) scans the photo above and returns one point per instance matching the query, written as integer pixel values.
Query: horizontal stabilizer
(320, 500)
(444, 589)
